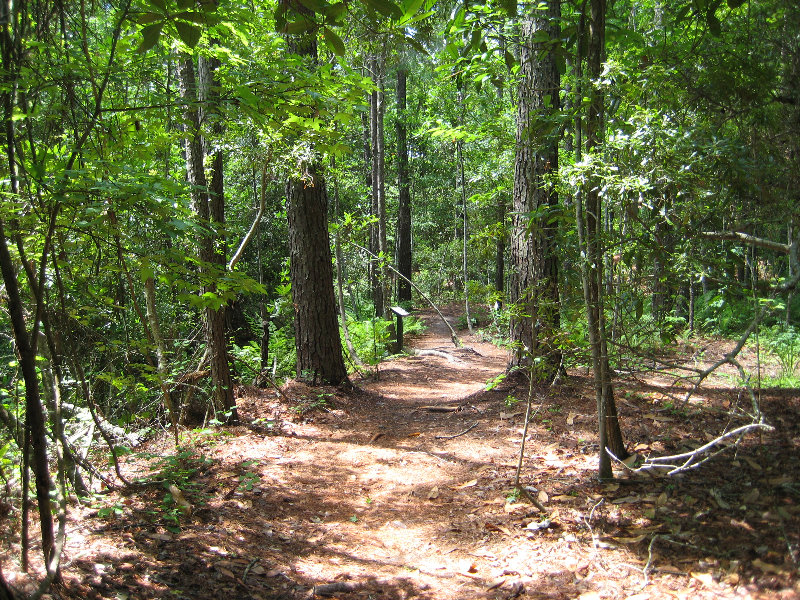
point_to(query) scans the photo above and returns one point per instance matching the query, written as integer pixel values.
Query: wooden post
(400, 312)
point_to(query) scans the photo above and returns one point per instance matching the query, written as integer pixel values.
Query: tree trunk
(500, 252)
(375, 157)
(404, 194)
(34, 411)
(465, 229)
(590, 225)
(317, 339)
(208, 205)
(10, 47)
(534, 279)
(379, 185)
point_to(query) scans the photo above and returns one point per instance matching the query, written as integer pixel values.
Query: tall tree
(317, 339)
(404, 192)
(534, 280)
(208, 204)
(590, 233)
(377, 133)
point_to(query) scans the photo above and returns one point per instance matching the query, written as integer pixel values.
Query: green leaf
(192, 16)
(189, 34)
(509, 6)
(714, 25)
(410, 8)
(150, 35)
(159, 4)
(333, 41)
(301, 25)
(510, 60)
(733, 4)
(385, 7)
(184, 4)
(148, 17)
(335, 11)
(416, 44)
(316, 6)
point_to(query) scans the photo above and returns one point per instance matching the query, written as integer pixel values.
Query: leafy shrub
(784, 342)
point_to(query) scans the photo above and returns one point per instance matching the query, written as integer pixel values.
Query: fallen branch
(453, 336)
(438, 353)
(442, 409)
(688, 463)
(452, 437)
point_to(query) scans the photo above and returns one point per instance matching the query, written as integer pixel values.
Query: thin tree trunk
(161, 352)
(465, 229)
(500, 252)
(380, 157)
(209, 207)
(591, 221)
(34, 411)
(374, 238)
(25, 342)
(339, 276)
(404, 193)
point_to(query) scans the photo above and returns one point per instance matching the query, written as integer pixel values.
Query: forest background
(593, 182)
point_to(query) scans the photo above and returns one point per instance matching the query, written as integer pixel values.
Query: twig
(588, 522)
(646, 570)
(442, 409)
(450, 437)
(247, 570)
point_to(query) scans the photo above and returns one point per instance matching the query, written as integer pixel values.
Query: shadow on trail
(384, 497)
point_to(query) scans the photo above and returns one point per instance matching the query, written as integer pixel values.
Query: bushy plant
(371, 338)
(783, 341)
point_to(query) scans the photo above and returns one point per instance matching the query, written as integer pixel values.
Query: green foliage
(722, 312)
(306, 404)
(371, 338)
(784, 343)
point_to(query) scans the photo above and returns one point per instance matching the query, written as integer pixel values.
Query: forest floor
(403, 488)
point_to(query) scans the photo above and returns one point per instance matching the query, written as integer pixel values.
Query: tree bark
(317, 339)
(534, 279)
(404, 194)
(208, 204)
(591, 222)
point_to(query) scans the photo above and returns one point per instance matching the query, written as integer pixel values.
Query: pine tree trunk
(317, 339)
(404, 193)
(534, 279)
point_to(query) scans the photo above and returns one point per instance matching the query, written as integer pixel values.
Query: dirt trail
(399, 489)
